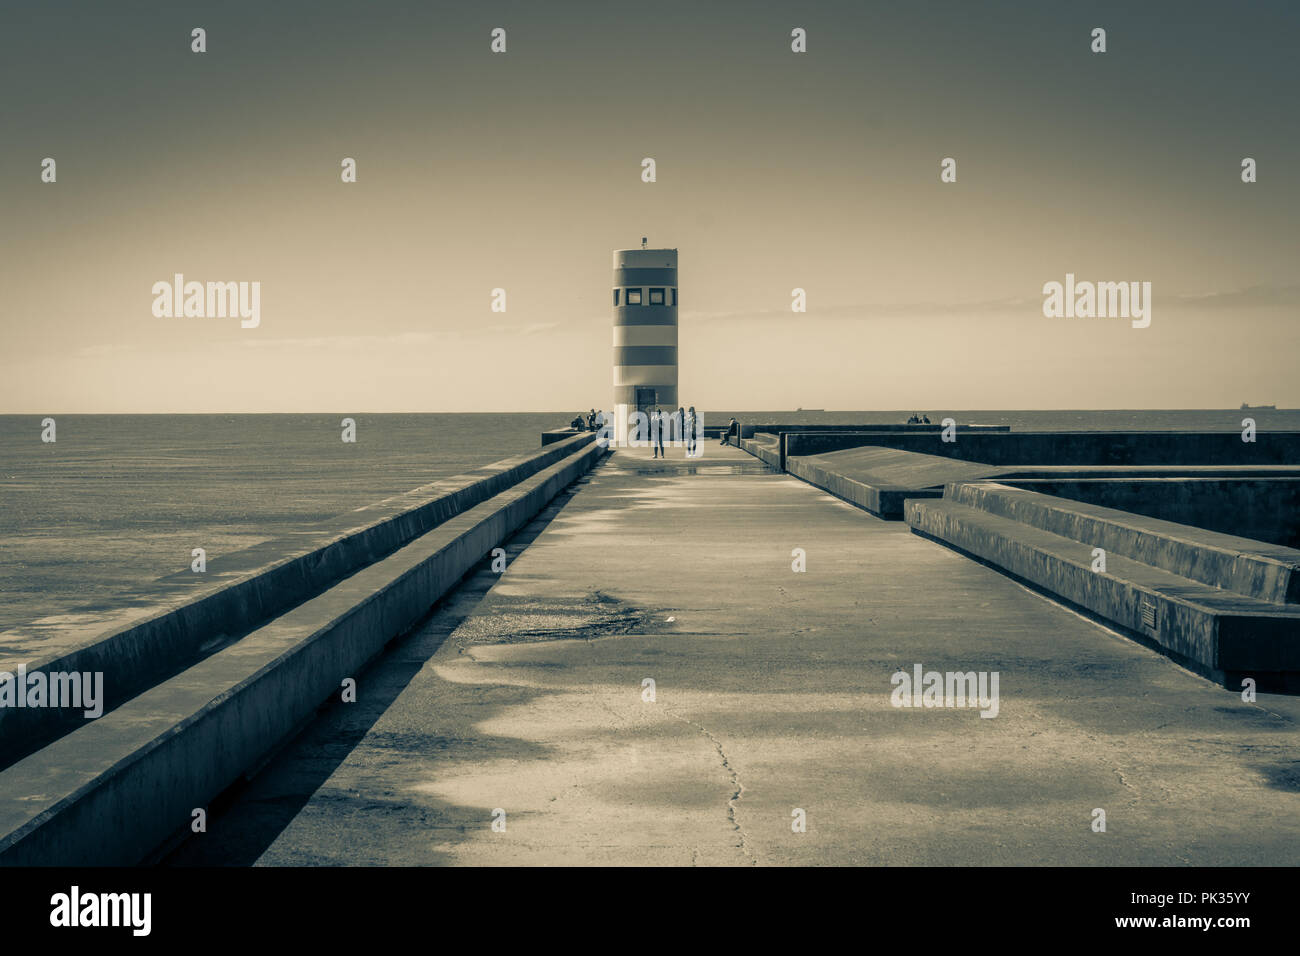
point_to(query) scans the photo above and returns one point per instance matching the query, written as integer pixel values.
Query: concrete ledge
(1224, 635)
(977, 444)
(1255, 569)
(185, 612)
(881, 479)
(872, 429)
(561, 434)
(1259, 507)
(913, 438)
(112, 791)
(765, 448)
(882, 500)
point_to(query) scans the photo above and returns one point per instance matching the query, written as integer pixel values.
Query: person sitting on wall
(576, 424)
(733, 427)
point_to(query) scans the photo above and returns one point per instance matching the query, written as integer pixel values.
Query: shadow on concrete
(246, 819)
(1283, 776)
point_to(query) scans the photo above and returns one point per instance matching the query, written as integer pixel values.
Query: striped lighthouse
(645, 333)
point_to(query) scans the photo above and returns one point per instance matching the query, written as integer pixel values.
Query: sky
(522, 171)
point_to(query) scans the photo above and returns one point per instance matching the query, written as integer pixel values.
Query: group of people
(656, 426)
(918, 419)
(680, 425)
(594, 421)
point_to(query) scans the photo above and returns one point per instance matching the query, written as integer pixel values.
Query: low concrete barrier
(879, 479)
(883, 499)
(1256, 569)
(114, 790)
(743, 431)
(1264, 508)
(185, 612)
(1067, 448)
(873, 429)
(560, 434)
(766, 448)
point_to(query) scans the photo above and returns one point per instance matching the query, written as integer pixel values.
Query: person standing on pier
(657, 426)
(689, 424)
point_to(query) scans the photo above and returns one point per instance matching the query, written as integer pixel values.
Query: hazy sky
(523, 171)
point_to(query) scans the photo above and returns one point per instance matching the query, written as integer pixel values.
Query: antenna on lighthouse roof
(644, 240)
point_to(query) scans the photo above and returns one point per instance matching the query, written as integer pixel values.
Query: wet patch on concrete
(999, 784)
(597, 615)
(1283, 776)
(674, 472)
(440, 745)
(1256, 715)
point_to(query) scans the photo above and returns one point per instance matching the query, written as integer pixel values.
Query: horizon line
(907, 409)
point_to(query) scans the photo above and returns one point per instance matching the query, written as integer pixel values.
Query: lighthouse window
(656, 296)
(633, 296)
(616, 296)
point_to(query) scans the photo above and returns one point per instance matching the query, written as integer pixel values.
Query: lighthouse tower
(645, 333)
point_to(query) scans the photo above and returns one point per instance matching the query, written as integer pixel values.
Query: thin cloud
(1251, 297)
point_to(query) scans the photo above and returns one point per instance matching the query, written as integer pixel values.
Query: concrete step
(1219, 633)
(1254, 569)
(763, 447)
(880, 479)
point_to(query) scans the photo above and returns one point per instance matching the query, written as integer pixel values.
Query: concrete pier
(524, 694)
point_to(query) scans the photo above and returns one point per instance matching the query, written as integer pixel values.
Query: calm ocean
(120, 499)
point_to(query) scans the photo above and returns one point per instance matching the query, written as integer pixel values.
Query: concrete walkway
(772, 692)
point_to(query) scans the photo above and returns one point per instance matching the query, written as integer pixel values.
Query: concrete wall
(560, 434)
(765, 448)
(1256, 569)
(187, 611)
(1265, 509)
(882, 499)
(746, 431)
(1070, 448)
(112, 791)
(859, 429)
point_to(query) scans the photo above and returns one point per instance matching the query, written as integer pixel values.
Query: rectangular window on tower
(633, 296)
(616, 291)
(656, 296)
(674, 298)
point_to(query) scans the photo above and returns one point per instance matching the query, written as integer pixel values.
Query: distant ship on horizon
(1257, 408)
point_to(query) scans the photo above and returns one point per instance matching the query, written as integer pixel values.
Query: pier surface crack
(737, 788)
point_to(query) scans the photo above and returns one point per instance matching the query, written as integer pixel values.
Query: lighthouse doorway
(646, 399)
